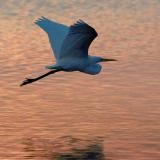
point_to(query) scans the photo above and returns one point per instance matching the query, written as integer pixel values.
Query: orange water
(121, 104)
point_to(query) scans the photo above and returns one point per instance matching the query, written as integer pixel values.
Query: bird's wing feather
(78, 40)
(56, 33)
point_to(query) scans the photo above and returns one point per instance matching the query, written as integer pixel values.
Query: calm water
(115, 115)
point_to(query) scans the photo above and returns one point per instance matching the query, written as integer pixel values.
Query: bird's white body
(87, 65)
(70, 46)
(73, 64)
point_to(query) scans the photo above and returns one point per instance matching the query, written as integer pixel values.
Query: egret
(70, 46)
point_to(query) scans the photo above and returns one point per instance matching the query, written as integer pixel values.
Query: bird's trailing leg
(26, 81)
(30, 80)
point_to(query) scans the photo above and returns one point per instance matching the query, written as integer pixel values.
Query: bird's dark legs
(30, 80)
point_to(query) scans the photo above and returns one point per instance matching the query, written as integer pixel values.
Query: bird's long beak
(107, 59)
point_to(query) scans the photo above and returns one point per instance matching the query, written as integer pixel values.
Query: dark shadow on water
(64, 148)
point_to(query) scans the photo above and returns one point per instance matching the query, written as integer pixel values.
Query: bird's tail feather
(53, 67)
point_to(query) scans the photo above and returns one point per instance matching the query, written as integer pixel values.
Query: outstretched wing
(78, 40)
(56, 33)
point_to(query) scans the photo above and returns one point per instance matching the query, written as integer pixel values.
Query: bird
(70, 45)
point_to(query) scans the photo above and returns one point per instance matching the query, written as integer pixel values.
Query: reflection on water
(64, 148)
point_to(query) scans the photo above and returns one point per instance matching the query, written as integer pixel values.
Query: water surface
(120, 105)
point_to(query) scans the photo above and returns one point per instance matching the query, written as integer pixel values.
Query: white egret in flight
(70, 47)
